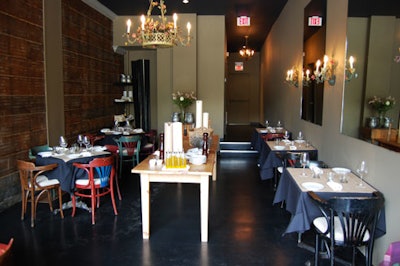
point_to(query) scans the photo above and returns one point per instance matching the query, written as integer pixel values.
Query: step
(238, 153)
(235, 145)
(236, 149)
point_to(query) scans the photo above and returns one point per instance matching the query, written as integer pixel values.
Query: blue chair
(35, 150)
(128, 150)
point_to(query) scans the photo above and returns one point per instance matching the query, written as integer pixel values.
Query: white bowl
(198, 159)
(279, 148)
(340, 170)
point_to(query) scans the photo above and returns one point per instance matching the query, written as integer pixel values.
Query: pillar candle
(205, 120)
(167, 137)
(177, 138)
(199, 113)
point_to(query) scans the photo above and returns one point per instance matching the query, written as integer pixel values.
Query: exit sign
(315, 21)
(243, 21)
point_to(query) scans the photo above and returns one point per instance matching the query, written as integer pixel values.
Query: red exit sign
(243, 21)
(314, 21)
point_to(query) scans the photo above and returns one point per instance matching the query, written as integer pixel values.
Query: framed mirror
(313, 50)
(373, 40)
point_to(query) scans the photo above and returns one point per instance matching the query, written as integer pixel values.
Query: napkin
(316, 170)
(86, 154)
(335, 186)
(292, 148)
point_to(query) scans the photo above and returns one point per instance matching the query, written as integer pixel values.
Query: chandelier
(246, 52)
(157, 33)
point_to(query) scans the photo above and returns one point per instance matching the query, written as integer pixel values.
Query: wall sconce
(350, 69)
(292, 77)
(306, 78)
(326, 71)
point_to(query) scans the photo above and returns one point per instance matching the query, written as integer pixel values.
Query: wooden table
(198, 174)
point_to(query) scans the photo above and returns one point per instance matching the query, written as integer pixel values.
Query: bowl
(341, 170)
(279, 148)
(198, 159)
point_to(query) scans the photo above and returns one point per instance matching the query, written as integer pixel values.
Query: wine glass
(266, 123)
(279, 124)
(304, 160)
(300, 136)
(286, 135)
(86, 142)
(362, 171)
(63, 142)
(80, 140)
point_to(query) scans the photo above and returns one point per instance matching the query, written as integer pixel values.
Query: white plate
(279, 148)
(73, 155)
(99, 148)
(119, 100)
(45, 153)
(263, 130)
(299, 141)
(340, 170)
(117, 132)
(313, 186)
(105, 130)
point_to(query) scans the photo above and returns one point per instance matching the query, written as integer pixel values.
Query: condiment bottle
(161, 149)
(205, 144)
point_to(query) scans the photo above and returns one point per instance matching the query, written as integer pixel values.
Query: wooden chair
(114, 151)
(128, 150)
(34, 185)
(93, 138)
(347, 222)
(149, 146)
(100, 182)
(5, 250)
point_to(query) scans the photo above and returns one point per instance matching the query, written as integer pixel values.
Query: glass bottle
(161, 149)
(205, 144)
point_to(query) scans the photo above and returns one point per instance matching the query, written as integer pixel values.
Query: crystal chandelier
(157, 33)
(246, 52)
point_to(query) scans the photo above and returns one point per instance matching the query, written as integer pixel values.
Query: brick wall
(90, 68)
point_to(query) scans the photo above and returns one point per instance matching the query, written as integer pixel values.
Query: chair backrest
(355, 216)
(292, 159)
(35, 150)
(5, 250)
(272, 136)
(102, 168)
(28, 172)
(130, 144)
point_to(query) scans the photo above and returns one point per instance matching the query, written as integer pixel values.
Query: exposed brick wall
(90, 68)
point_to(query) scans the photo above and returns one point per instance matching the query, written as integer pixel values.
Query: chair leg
(118, 191)
(73, 205)
(24, 196)
(113, 197)
(316, 251)
(93, 200)
(33, 205)
(60, 202)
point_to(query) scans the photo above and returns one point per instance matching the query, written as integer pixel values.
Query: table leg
(145, 197)
(214, 176)
(204, 197)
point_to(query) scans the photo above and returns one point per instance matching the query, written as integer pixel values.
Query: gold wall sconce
(292, 77)
(325, 72)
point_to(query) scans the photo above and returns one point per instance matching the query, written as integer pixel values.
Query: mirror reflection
(313, 50)
(370, 92)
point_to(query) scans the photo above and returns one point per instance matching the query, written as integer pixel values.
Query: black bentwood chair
(347, 222)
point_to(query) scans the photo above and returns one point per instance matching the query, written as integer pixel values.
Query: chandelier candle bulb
(318, 64)
(351, 61)
(189, 27)
(325, 60)
(128, 25)
(142, 19)
(175, 17)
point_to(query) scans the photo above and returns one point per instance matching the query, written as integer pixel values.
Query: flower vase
(382, 119)
(182, 115)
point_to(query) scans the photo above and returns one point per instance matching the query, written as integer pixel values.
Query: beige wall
(199, 68)
(282, 49)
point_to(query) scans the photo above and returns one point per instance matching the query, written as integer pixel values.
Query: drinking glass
(304, 160)
(80, 140)
(86, 142)
(362, 171)
(286, 135)
(279, 124)
(300, 136)
(63, 142)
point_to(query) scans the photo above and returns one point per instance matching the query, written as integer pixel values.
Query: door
(238, 101)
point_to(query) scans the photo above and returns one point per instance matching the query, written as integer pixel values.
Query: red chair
(94, 138)
(114, 151)
(149, 146)
(100, 182)
(35, 185)
(5, 250)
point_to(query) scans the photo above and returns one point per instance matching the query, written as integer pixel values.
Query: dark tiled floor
(244, 227)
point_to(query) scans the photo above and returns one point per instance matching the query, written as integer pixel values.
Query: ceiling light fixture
(185, 1)
(246, 52)
(157, 33)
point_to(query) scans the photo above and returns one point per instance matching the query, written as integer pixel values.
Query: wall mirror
(373, 39)
(313, 50)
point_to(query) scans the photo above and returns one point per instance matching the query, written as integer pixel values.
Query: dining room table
(66, 173)
(272, 152)
(294, 185)
(193, 173)
(260, 134)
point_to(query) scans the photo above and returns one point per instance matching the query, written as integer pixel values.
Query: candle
(318, 64)
(288, 75)
(142, 19)
(199, 113)
(175, 17)
(188, 26)
(128, 25)
(325, 60)
(205, 119)
(351, 61)
(308, 74)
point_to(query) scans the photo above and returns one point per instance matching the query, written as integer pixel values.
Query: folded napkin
(316, 171)
(86, 153)
(272, 130)
(292, 148)
(286, 141)
(335, 186)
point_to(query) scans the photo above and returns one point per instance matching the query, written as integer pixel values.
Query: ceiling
(262, 13)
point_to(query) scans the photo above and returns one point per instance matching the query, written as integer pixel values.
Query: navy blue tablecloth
(304, 211)
(66, 173)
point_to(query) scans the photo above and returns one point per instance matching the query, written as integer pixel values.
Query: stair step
(236, 149)
(226, 145)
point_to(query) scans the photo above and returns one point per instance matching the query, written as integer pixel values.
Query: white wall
(283, 49)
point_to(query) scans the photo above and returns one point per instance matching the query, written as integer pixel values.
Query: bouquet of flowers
(183, 100)
(382, 105)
